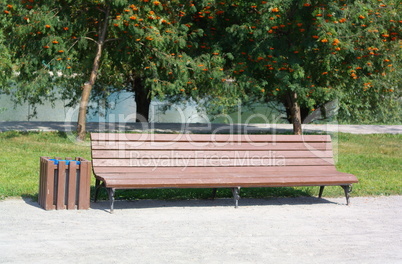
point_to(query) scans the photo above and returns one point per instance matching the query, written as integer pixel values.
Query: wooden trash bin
(64, 183)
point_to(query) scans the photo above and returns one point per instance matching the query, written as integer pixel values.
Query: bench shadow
(221, 202)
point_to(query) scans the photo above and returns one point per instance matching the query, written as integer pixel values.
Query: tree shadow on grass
(51, 134)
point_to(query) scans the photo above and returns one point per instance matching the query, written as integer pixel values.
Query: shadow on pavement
(223, 202)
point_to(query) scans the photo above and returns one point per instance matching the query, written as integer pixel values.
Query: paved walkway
(275, 230)
(200, 128)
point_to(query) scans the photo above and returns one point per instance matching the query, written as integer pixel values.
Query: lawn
(376, 160)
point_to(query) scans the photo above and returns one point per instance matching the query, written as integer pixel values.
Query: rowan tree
(307, 53)
(49, 45)
(5, 61)
(100, 45)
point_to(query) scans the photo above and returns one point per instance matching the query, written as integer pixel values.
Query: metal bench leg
(348, 190)
(236, 195)
(111, 192)
(214, 193)
(321, 191)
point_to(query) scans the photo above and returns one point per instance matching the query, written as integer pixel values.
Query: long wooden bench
(144, 161)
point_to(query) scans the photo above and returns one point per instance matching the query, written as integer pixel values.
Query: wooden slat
(208, 170)
(84, 185)
(190, 154)
(88, 174)
(72, 182)
(207, 137)
(209, 146)
(229, 182)
(61, 185)
(224, 176)
(50, 185)
(216, 162)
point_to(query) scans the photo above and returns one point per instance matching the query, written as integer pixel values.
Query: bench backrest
(122, 152)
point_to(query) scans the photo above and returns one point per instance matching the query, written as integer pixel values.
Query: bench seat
(146, 161)
(215, 178)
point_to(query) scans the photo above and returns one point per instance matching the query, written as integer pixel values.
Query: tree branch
(113, 39)
(75, 42)
(91, 39)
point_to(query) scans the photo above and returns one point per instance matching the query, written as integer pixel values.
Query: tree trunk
(142, 99)
(87, 87)
(82, 113)
(295, 114)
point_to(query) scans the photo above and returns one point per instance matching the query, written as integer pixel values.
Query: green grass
(19, 159)
(375, 159)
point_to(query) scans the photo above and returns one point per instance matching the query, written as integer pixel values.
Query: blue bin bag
(56, 162)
